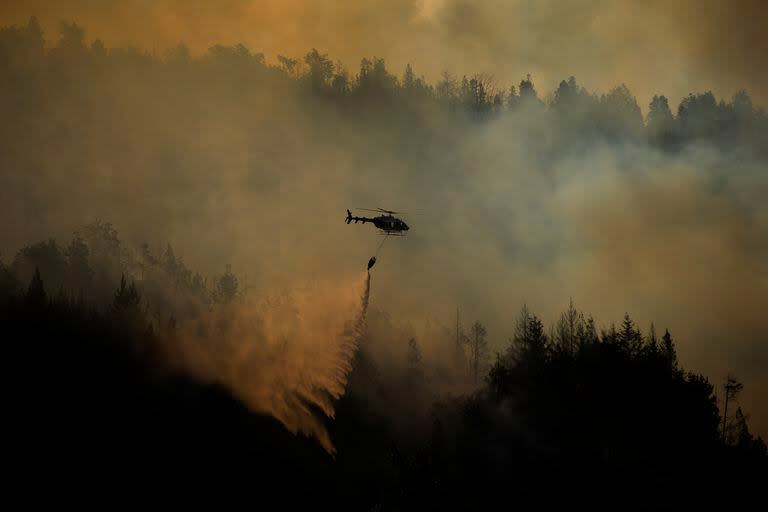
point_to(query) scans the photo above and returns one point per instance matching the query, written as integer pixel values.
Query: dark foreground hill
(601, 420)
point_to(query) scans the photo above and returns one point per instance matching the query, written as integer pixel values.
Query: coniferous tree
(669, 351)
(478, 349)
(36, 296)
(661, 124)
(227, 286)
(630, 337)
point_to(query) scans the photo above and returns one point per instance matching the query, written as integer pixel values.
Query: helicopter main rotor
(382, 210)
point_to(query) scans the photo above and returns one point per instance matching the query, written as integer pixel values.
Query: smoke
(654, 47)
(287, 354)
(235, 165)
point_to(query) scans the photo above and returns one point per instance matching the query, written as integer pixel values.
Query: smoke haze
(242, 166)
(654, 47)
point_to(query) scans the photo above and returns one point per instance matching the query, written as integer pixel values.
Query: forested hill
(38, 73)
(575, 417)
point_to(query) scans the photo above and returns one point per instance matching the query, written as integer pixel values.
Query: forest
(567, 415)
(137, 366)
(33, 71)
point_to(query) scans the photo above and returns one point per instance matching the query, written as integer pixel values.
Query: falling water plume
(288, 355)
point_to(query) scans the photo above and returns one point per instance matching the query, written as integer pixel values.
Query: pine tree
(528, 93)
(227, 286)
(668, 348)
(408, 78)
(652, 343)
(478, 349)
(36, 296)
(568, 329)
(461, 340)
(630, 337)
(732, 389)
(127, 297)
(661, 124)
(528, 345)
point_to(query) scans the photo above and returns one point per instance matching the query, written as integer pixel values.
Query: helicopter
(388, 224)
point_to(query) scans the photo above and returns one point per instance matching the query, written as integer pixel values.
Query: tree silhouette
(569, 330)
(698, 116)
(79, 268)
(478, 349)
(460, 341)
(660, 122)
(409, 80)
(288, 65)
(36, 296)
(651, 342)
(527, 90)
(319, 69)
(179, 55)
(529, 345)
(227, 286)
(447, 89)
(670, 353)
(126, 297)
(340, 83)
(630, 336)
(732, 389)
(621, 114)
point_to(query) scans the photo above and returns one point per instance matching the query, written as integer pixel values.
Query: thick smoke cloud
(654, 47)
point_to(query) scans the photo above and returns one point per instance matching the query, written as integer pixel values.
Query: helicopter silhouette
(388, 224)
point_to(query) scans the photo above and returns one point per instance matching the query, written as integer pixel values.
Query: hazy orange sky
(653, 46)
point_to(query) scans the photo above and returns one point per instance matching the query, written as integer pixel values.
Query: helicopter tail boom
(351, 218)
